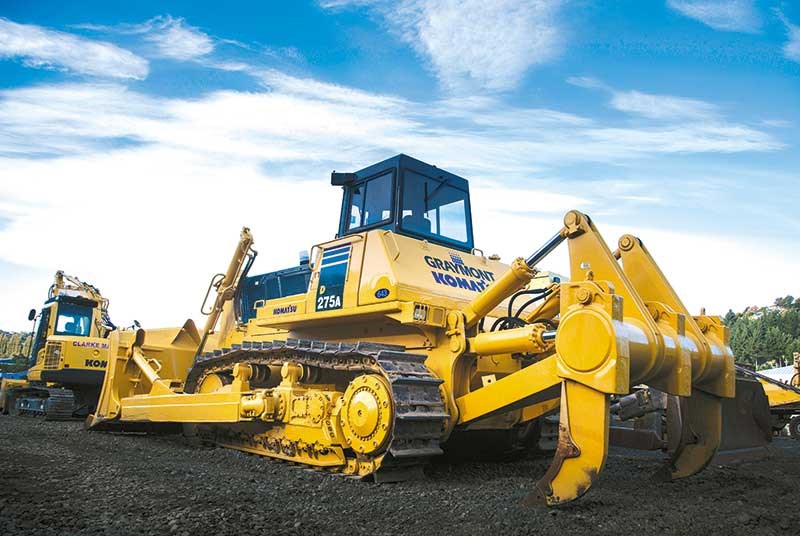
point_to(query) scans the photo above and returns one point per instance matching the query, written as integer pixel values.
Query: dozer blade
(174, 350)
(746, 424)
(682, 430)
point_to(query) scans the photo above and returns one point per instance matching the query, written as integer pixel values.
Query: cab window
(371, 202)
(434, 208)
(73, 320)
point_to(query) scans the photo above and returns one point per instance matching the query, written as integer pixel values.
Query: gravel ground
(57, 479)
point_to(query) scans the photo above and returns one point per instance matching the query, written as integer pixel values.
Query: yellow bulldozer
(68, 355)
(401, 340)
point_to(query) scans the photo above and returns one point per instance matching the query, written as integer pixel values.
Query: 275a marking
(333, 301)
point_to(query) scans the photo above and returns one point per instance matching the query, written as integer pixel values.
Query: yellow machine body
(392, 353)
(783, 398)
(779, 396)
(69, 353)
(6, 385)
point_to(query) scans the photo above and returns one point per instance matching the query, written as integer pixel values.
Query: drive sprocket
(367, 414)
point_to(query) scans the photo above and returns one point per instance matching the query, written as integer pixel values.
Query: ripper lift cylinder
(519, 275)
(546, 249)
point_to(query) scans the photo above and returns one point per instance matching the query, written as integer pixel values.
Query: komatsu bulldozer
(401, 339)
(68, 354)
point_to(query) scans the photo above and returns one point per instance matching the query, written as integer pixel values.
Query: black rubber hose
(523, 293)
(530, 302)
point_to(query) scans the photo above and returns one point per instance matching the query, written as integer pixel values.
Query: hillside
(766, 337)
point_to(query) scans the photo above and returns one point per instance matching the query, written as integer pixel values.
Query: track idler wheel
(213, 383)
(367, 414)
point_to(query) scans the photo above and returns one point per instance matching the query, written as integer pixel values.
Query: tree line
(766, 337)
(16, 345)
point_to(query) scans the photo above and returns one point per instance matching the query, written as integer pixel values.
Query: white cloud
(313, 89)
(40, 47)
(171, 180)
(792, 47)
(724, 15)
(175, 39)
(650, 105)
(297, 117)
(776, 123)
(662, 106)
(589, 83)
(693, 138)
(471, 43)
(171, 37)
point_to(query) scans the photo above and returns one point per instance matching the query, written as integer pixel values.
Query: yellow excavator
(401, 340)
(68, 356)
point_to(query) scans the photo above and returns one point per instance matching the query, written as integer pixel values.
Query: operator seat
(417, 222)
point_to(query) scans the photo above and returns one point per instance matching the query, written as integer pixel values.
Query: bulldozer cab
(408, 197)
(400, 194)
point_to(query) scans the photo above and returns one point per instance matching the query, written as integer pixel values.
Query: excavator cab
(65, 315)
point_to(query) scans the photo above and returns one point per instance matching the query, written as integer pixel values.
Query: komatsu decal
(95, 363)
(88, 344)
(286, 309)
(465, 277)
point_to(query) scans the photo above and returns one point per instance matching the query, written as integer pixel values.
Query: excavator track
(419, 411)
(52, 404)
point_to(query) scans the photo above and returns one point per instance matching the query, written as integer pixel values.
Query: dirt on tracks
(57, 479)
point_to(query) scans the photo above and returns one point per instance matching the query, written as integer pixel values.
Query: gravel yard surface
(57, 479)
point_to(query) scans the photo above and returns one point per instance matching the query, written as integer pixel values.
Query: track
(419, 415)
(52, 404)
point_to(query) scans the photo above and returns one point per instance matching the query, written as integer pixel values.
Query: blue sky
(135, 138)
